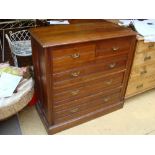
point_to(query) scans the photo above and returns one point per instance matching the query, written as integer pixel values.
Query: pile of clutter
(145, 27)
(16, 89)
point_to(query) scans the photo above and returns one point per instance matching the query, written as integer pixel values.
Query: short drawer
(140, 84)
(142, 70)
(144, 58)
(72, 56)
(144, 47)
(114, 46)
(89, 88)
(101, 101)
(103, 66)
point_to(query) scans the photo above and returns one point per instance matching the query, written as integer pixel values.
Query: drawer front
(72, 56)
(97, 103)
(72, 85)
(144, 47)
(143, 70)
(140, 84)
(80, 101)
(113, 46)
(91, 87)
(100, 66)
(144, 58)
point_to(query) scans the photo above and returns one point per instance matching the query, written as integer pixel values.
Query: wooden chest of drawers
(142, 76)
(81, 71)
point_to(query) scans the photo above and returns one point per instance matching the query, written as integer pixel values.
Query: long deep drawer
(87, 105)
(80, 101)
(104, 66)
(89, 88)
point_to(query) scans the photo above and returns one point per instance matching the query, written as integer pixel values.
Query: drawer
(140, 84)
(114, 46)
(103, 66)
(142, 70)
(89, 88)
(144, 47)
(144, 58)
(99, 102)
(67, 86)
(72, 104)
(72, 56)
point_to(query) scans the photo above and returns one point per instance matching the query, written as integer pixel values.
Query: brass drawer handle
(74, 110)
(75, 55)
(75, 74)
(139, 86)
(112, 65)
(151, 45)
(115, 49)
(143, 72)
(147, 58)
(109, 82)
(75, 92)
(106, 99)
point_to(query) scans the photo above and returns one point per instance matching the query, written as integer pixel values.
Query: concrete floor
(136, 118)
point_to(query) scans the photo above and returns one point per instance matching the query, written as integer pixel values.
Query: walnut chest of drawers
(81, 71)
(142, 75)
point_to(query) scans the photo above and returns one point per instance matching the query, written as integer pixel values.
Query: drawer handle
(115, 49)
(143, 72)
(147, 58)
(75, 92)
(74, 110)
(75, 55)
(109, 82)
(151, 46)
(112, 65)
(106, 99)
(75, 74)
(139, 86)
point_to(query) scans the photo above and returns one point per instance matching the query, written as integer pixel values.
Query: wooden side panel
(128, 66)
(42, 80)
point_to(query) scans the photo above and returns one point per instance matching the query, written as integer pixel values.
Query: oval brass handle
(75, 92)
(106, 99)
(115, 49)
(139, 86)
(143, 72)
(112, 65)
(151, 45)
(74, 110)
(75, 55)
(147, 58)
(75, 74)
(109, 82)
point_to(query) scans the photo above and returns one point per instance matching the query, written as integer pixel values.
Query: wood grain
(81, 71)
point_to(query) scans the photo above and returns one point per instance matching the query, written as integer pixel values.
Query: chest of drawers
(81, 71)
(142, 75)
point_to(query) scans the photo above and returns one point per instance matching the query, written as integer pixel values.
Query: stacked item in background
(145, 28)
(142, 76)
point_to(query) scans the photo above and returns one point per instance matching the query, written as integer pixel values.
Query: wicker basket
(21, 99)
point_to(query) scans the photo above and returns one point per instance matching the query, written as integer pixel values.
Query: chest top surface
(77, 33)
